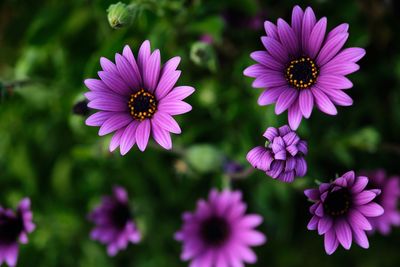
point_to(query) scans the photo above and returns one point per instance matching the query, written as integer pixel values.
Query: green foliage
(47, 48)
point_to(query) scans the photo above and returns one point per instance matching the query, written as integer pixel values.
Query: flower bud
(119, 15)
(203, 54)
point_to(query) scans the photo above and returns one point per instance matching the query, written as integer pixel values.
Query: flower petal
(151, 71)
(294, 116)
(276, 49)
(287, 36)
(269, 79)
(115, 83)
(116, 139)
(166, 83)
(180, 93)
(96, 85)
(297, 21)
(166, 122)
(161, 136)
(309, 21)
(343, 233)
(271, 30)
(143, 134)
(306, 103)
(114, 123)
(174, 107)
(331, 48)
(371, 210)
(285, 100)
(127, 72)
(323, 102)
(144, 55)
(128, 137)
(317, 37)
(270, 95)
(338, 97)
(330, 242)
(265, 59)
(127, 53)
(108, 66)
(98, 118)
(334, 82)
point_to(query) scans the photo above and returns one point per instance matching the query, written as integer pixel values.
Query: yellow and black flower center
(302, 73)
(338, 202)
(142, 105)
(214, 231)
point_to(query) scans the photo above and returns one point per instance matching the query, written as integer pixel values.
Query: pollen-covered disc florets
(142, 105)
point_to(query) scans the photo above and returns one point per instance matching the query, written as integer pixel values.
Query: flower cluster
(282, 157)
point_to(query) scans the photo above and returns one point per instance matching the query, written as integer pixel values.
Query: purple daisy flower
(219, 233)
(114, 223)
(282, 157)
(303, 66)
(388, 199)
(137, 98)
(342, 209)
(14, 229)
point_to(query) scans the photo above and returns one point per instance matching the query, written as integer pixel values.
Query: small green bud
(119, 15)
(203, 54)
(204, 158)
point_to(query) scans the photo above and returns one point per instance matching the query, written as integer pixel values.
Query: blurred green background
(48, 47)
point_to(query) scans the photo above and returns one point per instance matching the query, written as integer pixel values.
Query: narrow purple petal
(270, 95)
(352, 54)
(116, 139)
(301, 166)
(254, 156)
(357, 220)
(316, 38)
(343, 233)
(115, 82)
(371, 210)
(98, 118)
(254, 70)
(330, 242)
(271, 30)
(161, 136)
(180, 93)
(331, 48)
(108, 66)
(323, 102)
(360, 238)
(174, 107)
(334, 82)
(285, 100)
(339, 69)
(269, 79)
(109, 104)
(142, 134)
(114, 123)
(294, 116)
(96, 85)
(288, 37)
(364, 197)
(359, 184)
(275, 49)
(270, 133)
(342, 28)
(127, 53)
(266, 60)
(312, 194)
(306, 102)
(324, 225)
(309, 21)
(144, 55)
(166, 83)
(127, 72)
(313, 223)
(166, 122)
(297, 21)
(151, 71)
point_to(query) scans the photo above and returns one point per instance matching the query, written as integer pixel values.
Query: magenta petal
(287, 36)
(331, 48)
(301, 166)
(115, 83)
(338, 97)
(254, 156)
(339, 69)
(360, 238)
(359, 184)
(255, 70)
(317, 37)
(161, 136)
(324, 225)
(323, 102)
(110, 104)
(270, 133)
(357, 220)
(306, 103)
(116, 139)
(342, 28)
(313, 223)
(343, 233)
(128, 137)
(127, 53)
(334, 82)
(269, 79)
(170, 65)
(352, 54)
(96, 85)
(265, 59)
(312, 194)
(166, 122)
(98, 118)
(275, 48)
(127, 73)
(180, 93)
(330, 242)
(114, 123)
(297, 21)
(166, 83)
(143, 134)
(371, 210)
(364, 197)
(11, 254)
(174, 107)
(270, 95)
(309, 21)
(151, 71)
(285, 100)
(271, 30)
(294, 116)
(144, 55)
(108, 66)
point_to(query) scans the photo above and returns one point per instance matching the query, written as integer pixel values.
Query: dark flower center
(120, 215)
(214, 231)
(302, 73)
(10, 229)
(338, 202)
(142, 105)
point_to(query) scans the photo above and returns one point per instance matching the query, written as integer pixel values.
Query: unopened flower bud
(119, 15)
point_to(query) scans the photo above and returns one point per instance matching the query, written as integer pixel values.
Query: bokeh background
(48, 47)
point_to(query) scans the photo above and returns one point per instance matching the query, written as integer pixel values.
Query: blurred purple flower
(219, 233)
(136, 98)
(303, 66)
(207, 38)
(238, 19)
(283, 156)
(388, 199)
(342, 209)
(14, 229)
(114, 223)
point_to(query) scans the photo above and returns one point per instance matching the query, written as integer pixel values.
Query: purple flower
(282, 157)
(219, 233)
(388, 199)
(114, 223)
(303, 66)
(342, 209)
(136, 98)
(14, 229)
